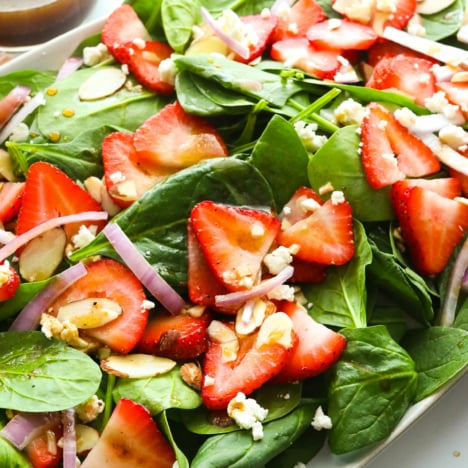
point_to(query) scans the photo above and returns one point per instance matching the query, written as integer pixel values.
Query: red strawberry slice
(396, 15)
(234, 241)
(9, 282)
(131, 438)
(125, 177)
(317, 349)
(175, 336)
(202, 285)
(341, 34)
(448, 187)
(295, 22)
(11, 195)
(143, 60)
(121, 27)
(263, 26)
(252, 367)
(457, 93)
(383, 47)
(303, 201)
(299, 53)
(407, 74)
(390, 152)
(49, 193)
(431, 225)
(325, 236)
(308, 272)
(174, 139)
(110, 279)
(43, 451)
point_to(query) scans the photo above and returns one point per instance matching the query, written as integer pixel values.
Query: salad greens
(395, 355)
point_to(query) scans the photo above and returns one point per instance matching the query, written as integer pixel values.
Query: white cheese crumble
(454, 136)
(247, 414)
(208, 381)
(147, 305)
(337, 197)
(307, 133)
(84, 236)
(5, 272)
(282, 292)
(349, 112)
(90, 409)
(439, 104)
(95, 55)
(406, 117)
(277, 260)
(116, 177)
(167, 71)
(321, 420)
(257, 230)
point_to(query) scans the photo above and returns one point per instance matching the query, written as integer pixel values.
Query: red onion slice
(29, 317)
(142, 269)
(24, 427)
(262, 289)
(69, 439)
(19, 241)
(28, 108)
(68, 67)
(449, 306)
(11, 102)
(237, 47)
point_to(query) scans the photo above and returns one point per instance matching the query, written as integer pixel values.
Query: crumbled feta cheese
(282, 292)
(257, 230)
(406, 117)
(438, 104)
(116, 177)
(84, 236)
(247, 414)
(349, 112)
(94, 55)
(337, 197)
(415, 26)
(167, 71)
(208, 381)
(277, 260)
(334, 23)
(147, 305)
(307, 133)
(321, 420)
(454, 136)
(90, 409)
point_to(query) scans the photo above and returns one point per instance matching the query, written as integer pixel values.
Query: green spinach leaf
(372, 386)
(33, 376)
(163, 423)
(178, 19)
(36, 80)
(445, 23)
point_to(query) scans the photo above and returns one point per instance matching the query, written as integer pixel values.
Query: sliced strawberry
(431, 225)
(125, 177)
(382, 48)
(397, 14)
(308, 272)
(43, 451)
(295, 21)
(407, 74)
(9, 281)
(325, 236)
(175, 336)
(174, 139)
(462, 178)
(341, 34)
(121, 27)
(143, 62)
(263, 26)
(390, 152)
(131, 438)
(49, 193)
(317, 349)
(252, 366)
(457, 93)
(234, 241)
(299, 53)
(448, 187)
(112, 280)
(300, 205)
(202, 285)
(11, 195)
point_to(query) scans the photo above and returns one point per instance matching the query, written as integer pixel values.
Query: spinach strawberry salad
(233, 233)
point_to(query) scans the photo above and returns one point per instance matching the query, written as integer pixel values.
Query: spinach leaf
(33, 377)
(79, 158)
(340, 300)
(338, 162)
(11, 457)
(278, 399)
(241, 7)
(445, 23)
(178, 19)
(36, 80)
(238, 449)
(440, 353)
(163, 424)
(372, 386)
(127, 108)
(158, 393)
(281, 157)
(149, 12)
(461, 319)
(156, 223)
(239, 77)
(393, 319)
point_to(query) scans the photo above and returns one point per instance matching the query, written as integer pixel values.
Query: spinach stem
(108, 401)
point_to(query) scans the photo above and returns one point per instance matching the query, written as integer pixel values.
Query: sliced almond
(103, 83)
(221, 333)
(6, 166)
(247, 321)
(91, 312)
(276, 329)
(86, 438)
(137, 366)
(460, 77)
(41, 256)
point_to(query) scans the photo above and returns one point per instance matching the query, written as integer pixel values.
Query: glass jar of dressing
(26, 23)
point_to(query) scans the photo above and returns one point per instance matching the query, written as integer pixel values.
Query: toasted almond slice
(43, 255)
(91, 312)
(276, 328)
(86, 438)
(105, 82)
(221, 333)
(250, 317)
(137, 366)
